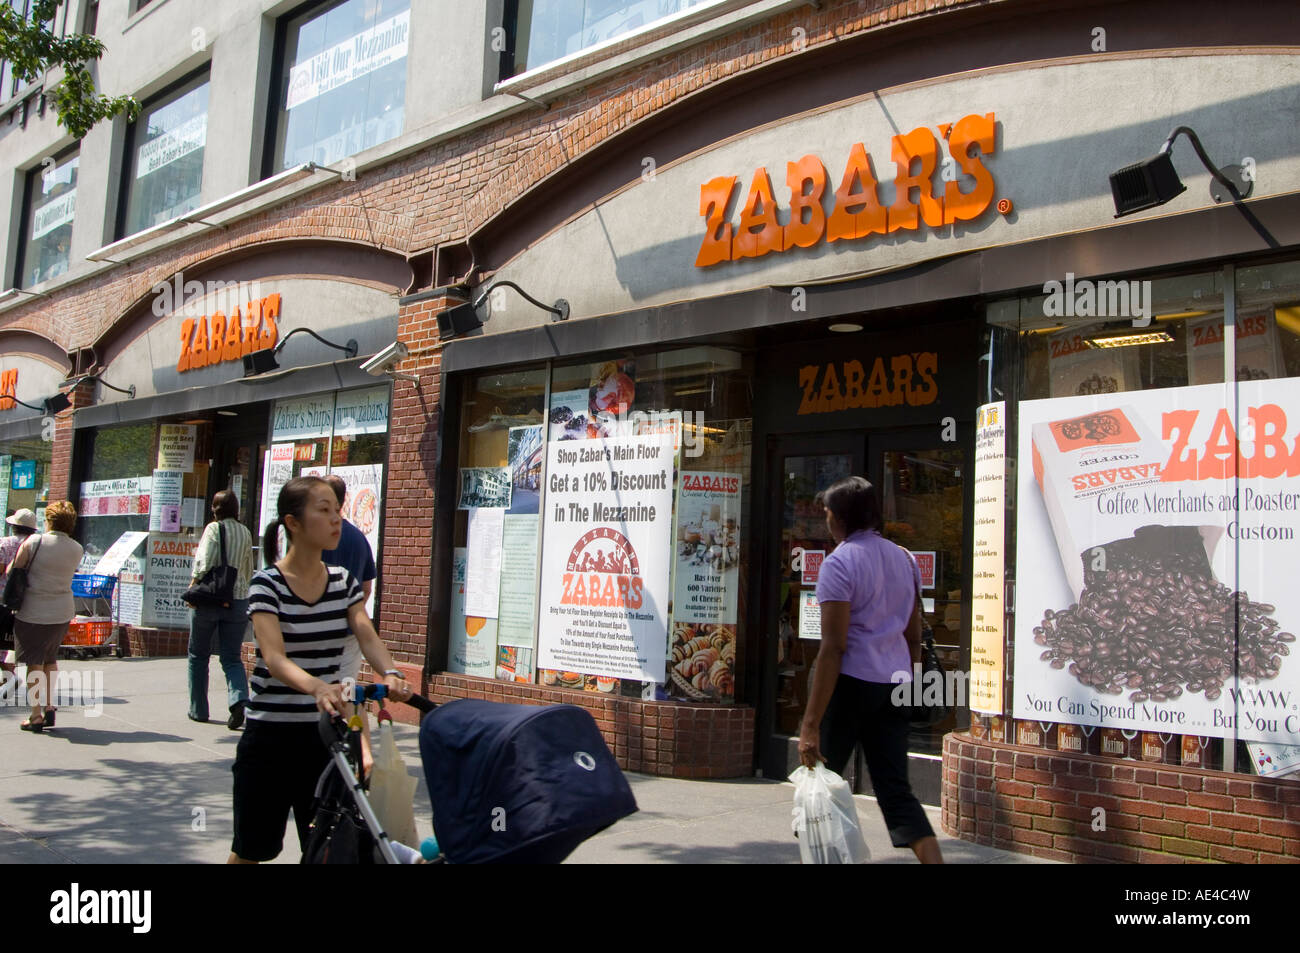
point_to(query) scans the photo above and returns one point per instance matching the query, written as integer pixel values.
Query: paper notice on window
(987, 574)
(483, 568)
(56, 212)
(810, 615)
(166, 501)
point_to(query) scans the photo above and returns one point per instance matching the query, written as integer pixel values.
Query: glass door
(922, 486)
(799, 469)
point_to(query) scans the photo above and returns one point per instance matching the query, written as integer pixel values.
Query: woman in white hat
(20, 525)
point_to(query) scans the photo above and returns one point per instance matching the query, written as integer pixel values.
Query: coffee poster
(1156, 546)
(605, 557)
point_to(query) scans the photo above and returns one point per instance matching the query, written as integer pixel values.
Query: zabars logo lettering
(101, 907)
(857, 211)
(1220, 457)
(603, 570)
(692, 481)
(910, 380)
(8, 388)
(164, 547)
(210, 340)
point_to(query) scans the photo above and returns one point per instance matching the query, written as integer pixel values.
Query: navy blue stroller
(509, 784)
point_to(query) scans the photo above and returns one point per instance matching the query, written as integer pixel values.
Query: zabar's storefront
(926, 326)
(31, 369)
(146, 464)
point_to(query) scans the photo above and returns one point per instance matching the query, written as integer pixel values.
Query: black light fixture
(1154, 181)
(263, 361)
(464, 317)
(60, 401)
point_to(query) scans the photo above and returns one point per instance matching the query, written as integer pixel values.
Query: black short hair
(854, 502)
(225, 505)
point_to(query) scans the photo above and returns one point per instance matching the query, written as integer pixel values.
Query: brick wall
(156, 643)
(61, 452)
(663, 738)
(1038, 803)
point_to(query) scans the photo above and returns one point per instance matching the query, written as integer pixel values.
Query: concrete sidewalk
(140, 783)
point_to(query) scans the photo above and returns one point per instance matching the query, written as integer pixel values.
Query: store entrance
(920, 478)
(239, 452)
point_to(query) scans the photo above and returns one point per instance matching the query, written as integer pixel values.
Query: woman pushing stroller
(303, 613)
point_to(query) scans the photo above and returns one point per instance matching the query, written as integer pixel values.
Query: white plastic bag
(825, 818)
(392, 789)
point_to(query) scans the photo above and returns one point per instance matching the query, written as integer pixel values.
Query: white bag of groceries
(825, 818)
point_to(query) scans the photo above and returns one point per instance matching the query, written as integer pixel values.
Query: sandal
(49, 717)
(30, 725)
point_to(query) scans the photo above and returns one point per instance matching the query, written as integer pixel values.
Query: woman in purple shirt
(868, 589)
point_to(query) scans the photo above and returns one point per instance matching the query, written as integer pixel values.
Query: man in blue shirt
(354, 555)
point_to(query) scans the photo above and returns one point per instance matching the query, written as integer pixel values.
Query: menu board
(987, 570)
(176, 447)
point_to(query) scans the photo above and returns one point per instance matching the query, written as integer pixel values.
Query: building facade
(760, 246)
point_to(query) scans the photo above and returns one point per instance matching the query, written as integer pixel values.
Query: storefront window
(600, 525)
(344, 87)
(47, 235)
(344, 433)
(1151, 515)
(165, 149)
(24, 477)
(548, 30)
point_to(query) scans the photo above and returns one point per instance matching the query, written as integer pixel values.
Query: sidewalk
(140, 783)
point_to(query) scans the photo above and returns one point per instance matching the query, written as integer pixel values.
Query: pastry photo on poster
(1145, 532)
(705, 586)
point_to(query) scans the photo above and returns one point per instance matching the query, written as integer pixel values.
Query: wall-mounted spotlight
(262, 362)
(464, 317)
(1154, 181)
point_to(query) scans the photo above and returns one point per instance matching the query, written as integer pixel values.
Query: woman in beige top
(225, 624)
(42, 621)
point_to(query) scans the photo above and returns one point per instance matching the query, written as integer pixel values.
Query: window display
(625, 479)
(1155, 516)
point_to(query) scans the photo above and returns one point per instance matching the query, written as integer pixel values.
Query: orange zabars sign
(857, 211)
(214, 338)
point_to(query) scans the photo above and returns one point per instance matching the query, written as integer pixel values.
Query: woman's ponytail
(271, 541)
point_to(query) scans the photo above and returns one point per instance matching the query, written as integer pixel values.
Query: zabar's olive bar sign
(212, 339)
(857, 211)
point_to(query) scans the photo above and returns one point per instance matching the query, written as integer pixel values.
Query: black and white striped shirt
(315, 634)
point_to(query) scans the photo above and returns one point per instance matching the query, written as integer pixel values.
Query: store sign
(8, 388)
(56, 212)
(167, 576)
(361, 411)
(308, 418)
(846, 385)
(1144, 522)
(857, 212)
(349, 60)
(212, 339)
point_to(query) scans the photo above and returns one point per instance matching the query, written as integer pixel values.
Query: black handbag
(926, 711)
(217, 587)
(16, 581)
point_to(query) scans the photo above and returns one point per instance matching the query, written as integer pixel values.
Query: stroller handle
(334, 729)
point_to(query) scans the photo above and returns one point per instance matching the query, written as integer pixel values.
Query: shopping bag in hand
(392, 789)
(825, 818)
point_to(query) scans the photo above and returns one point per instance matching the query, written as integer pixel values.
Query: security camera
(387, 359)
